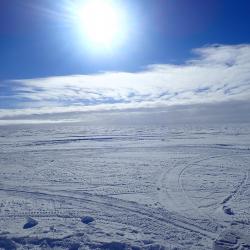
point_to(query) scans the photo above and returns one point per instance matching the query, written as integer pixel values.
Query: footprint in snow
(228, 210)
(30, 223)
(87, 219)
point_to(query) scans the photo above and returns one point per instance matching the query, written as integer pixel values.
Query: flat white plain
(146, 187)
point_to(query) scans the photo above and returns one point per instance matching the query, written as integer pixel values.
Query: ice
(127, 187)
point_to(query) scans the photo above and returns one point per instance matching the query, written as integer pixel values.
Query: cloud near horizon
(217, 73)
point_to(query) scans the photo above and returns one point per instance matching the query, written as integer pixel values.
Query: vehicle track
(233, 194)
(170, 180)
(111, 208)
(195, 206)
(171, 186)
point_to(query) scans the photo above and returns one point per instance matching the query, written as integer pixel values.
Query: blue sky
(176, 52)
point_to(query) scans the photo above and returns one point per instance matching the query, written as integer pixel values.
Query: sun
(101, 22)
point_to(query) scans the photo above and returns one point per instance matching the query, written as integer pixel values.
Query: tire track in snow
(235, 192)
(170, 180)
(196, 207)
(103, 203)
(173, 196)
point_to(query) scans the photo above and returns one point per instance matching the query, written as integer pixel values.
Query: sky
(169, 53)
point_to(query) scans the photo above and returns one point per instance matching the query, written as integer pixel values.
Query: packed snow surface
(125, 187)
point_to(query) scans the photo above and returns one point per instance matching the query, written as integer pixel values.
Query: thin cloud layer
(217, 73)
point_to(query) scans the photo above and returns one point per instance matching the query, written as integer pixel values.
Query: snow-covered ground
(69, 186)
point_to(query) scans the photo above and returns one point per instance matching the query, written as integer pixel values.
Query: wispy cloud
(216, 73)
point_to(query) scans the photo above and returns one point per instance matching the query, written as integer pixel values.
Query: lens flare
(101, 22)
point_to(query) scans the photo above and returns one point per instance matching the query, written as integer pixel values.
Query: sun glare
(101, 22)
